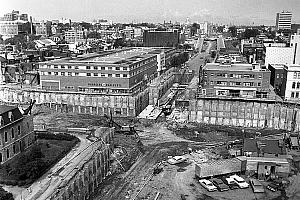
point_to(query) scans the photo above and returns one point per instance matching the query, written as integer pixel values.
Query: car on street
(257, 187)
(176, 159)
(230, 182)
(208, 185)
(220, 184)
(240, 181)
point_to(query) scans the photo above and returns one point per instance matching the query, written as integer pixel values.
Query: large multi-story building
(236, 80)
(295, 44)
(40, 28)
(13, 16)
(254, 52)
(284, 21)
(124, 71)
(279, 55)
(16, 132)
(161, 38)
(73, 35)
(292, 91)
(9, 29)
(278, 78)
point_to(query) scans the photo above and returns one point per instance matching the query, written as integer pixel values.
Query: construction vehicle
(126, 129)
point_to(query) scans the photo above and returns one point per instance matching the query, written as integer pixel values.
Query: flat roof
(278, 66)
(126, 56)
(232, 67)
(293, 67)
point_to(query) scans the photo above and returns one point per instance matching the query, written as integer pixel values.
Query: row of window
(278, 75)
(225, 75)
(82, 67)
(12, 133)
(296, 75)
(10, 117)
(8, 154)
(224, 83)
(16, 148)
(84, 74)
(295, 95)
(294, 85)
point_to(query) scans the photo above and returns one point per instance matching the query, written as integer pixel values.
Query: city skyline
(239, 12)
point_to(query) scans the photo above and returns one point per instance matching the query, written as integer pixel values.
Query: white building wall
(293, 76)
(295, 44)
(279, 55)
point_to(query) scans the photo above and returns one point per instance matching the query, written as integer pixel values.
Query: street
(198, 60)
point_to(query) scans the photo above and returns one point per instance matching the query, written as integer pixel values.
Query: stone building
(16, 132)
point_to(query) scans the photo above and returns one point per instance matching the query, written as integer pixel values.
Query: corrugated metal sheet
(218, 167)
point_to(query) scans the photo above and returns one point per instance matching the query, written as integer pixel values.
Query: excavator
(127, 129)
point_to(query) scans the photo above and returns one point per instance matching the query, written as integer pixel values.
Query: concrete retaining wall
(246, 113)
(81, 184)
(121, 105)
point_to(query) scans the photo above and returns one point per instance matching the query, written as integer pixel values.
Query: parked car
(230, 182)
(208, 185)
(257, 186)
(220, 184)
(240, 181)
(176, 160)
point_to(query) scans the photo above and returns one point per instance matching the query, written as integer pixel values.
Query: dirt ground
(132, 178)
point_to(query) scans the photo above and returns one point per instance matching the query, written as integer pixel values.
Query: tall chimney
(31, 28)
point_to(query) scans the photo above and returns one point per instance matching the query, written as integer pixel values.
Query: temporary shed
(279, 166)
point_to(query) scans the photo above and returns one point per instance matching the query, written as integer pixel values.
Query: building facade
(292, 91)
(279, 55)
(73, 35)
(124, 71)
(40, 28)
(284, 21)
(236, 80)
(16, 132)
(295, 45)
(9, 29)
(161, 38)
(278, 78)
(14, 15)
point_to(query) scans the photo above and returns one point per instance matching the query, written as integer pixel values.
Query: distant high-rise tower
(284, 21)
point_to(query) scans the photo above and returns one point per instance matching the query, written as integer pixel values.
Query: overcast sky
(218, 11)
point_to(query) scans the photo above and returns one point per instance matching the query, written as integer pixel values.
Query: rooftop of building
(5, 117)
(278, 66)
(4, 108)
(269, 146)
(124, 56)
(294, 67)
(233, 67)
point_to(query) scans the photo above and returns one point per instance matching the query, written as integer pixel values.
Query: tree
(86, 25)
(250, 33)
(119, 42)
(233, 31)
(220, 29)
(4, 195)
